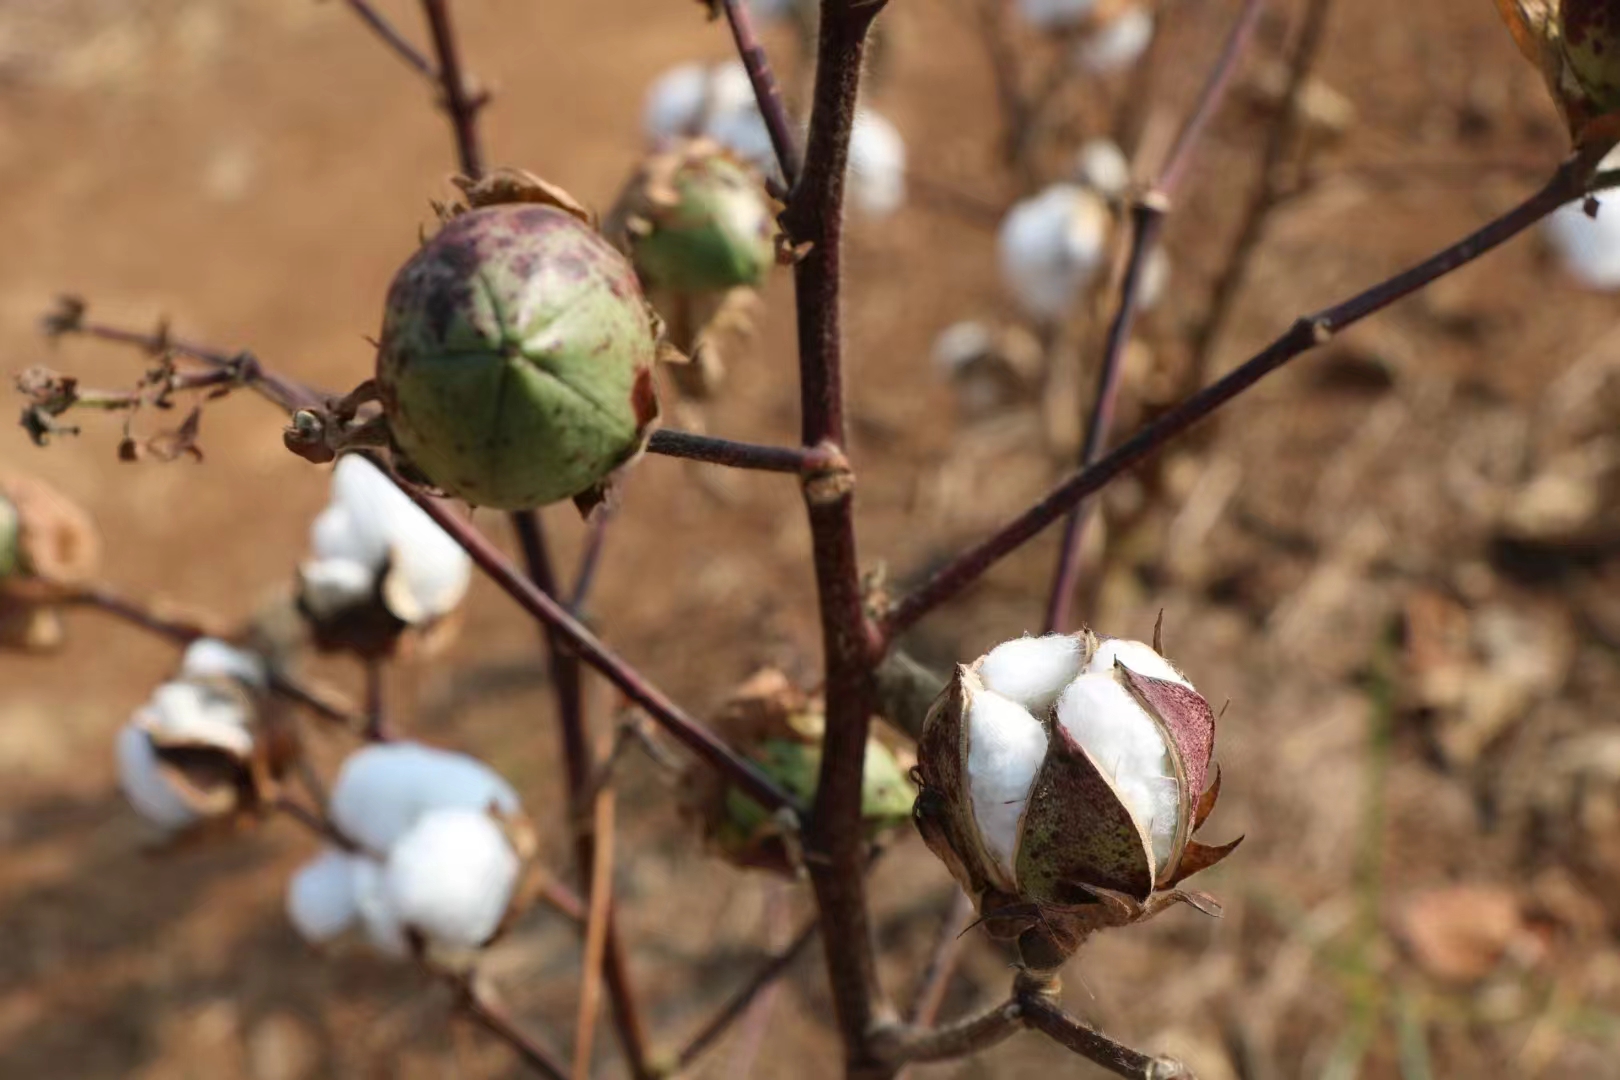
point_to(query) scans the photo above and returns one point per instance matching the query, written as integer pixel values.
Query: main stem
(834, 837)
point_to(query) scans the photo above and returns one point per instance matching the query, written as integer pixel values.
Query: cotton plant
(437, 846)
(200, 749)
(378, 565)
(1062, 779)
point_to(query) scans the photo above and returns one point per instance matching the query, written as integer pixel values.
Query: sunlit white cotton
(1136, 655)
(877, 165)
(1006, 746)
(1587, 248)
(1101, 165)
(1032, 670)
(196, 713)
(1055, 14)
(320, 896)
(451, 877)
(1117, 44)
(1050, 246)
(1128, 746)
(383, 789)
(381, 922)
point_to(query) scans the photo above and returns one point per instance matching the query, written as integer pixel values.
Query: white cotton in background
(212, 658)
(959, 344)
(1117, 44)
(1587, 248)
(1102, 166)
(1136, 655)
(186, 712)
(1006, 746)
(451, 877)
(1155, 278)
(1050, 246)
(381, 922)
(328, 586)
(674, 102)
(742, 130)
(1055, 14)
(383, 789)
(877, 165)
(144, 784)
(1128, 746)
(321, 897)
(1032, 671)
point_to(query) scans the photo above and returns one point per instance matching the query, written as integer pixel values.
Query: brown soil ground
(1395, 561)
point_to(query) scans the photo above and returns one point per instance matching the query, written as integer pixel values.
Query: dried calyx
(779, 727)
(48, 547)
(516, 351)
(1062, 779)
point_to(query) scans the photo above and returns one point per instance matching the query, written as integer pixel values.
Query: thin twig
(590, 560)
(1147, 221)
(494, 1020)
(936, 977)
(904, 1045)
(767, 92)
(376, 729)
(1041, 1011)
(738, 1003)
(756, 1021)
(1307, 333)
(396, 41)
(596, 927)
(740, 455)
(460, 104)
(834, 837)
(171, 626)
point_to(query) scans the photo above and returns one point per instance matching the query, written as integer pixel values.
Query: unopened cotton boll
(1588, 248)
(1005, 748)
(1101, 165)
(451, 878)
(877, 165)
(1136, 655)
(1032, 670)
(321, 900)
(1117, 44)
(1056, 14)
(1128, 746)
(383, 789)
(1050, 246)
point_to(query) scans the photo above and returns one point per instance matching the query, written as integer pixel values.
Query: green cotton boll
(716, 232)
(10, 539)
(515, 365)
(886, 792)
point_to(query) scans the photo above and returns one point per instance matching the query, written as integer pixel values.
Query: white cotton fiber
(451, 877)
(959, 344)
(877, 165)
(328, 586)
(187, 712)
(212, 658)
(1101, 165)
(1006, 746)
(1050, 246)
(144, 785)
(1055, 14)
(1588, 248)
(1032, 670)
(383, 789)
(1117, 44)
(1137, 656)
(320, 896)
(1127, 745)
(674, 103)
(377, 915)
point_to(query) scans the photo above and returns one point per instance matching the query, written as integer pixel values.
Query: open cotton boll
(674, 102)
(187, 712)
(1117, 44)
(328, 586)
(1128, 746)
(1006, 746)
(212, 658)
(1050, 246)
(877, 165)
(320, 896)
(383, 789)
(451, 877)
(145, 785)
(1101, 165)
(1137, 656)
(1055, 14)
(1032, 671)
(1588, 248)
(381, 922)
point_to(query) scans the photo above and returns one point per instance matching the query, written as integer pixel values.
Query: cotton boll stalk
(321, 901)
(1050, 247)
(451, 878)
(1056, 14)
(1102, 166)
(877, 165)
(1006, 745)
(1033, 671)
(383, 789)
(1117, 43)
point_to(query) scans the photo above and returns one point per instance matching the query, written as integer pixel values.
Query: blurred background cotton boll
(1050, 247)
(1587, 247)
(1117, 43)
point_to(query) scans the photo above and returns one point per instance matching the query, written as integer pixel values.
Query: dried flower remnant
(440, 842)
(379, 566)
(1062, 778)
(200, 749)
(515, 358)
(779, 726)
(48, 546)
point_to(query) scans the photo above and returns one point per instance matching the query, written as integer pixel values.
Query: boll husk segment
(515, 358)
(1061, 781)
(694, 219)
(779, 727)
(1591, 36)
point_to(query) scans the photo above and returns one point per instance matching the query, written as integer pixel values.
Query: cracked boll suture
(515, 363)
